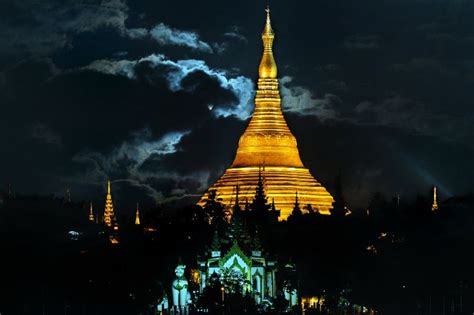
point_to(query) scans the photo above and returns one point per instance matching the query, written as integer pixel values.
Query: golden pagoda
(109, 214)
(434, 206)
(137, 216)
(91, 214)
(268, 144)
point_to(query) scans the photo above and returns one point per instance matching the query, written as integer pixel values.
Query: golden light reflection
(114, 240)
(195, 276)
(313, 302)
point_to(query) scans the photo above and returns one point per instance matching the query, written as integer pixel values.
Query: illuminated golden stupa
(268, 145)
(109, 215)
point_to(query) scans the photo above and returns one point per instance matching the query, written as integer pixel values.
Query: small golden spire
(268, 67)
(91, 213)
(434, 206)
(109, 214)
(137, 216)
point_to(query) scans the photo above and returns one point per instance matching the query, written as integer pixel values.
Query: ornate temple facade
(256, 271)
(268, 144)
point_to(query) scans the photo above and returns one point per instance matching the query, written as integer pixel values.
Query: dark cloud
(45, 134)
(235, 33)
(31, 27)
(410, 115)
(104, 132)
(240, 86)
(300, 100)
(166, 35)
(377, 158)
(156, 97)
(361, 42)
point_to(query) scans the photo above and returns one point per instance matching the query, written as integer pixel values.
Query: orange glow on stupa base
(281, 183)
(269, 144)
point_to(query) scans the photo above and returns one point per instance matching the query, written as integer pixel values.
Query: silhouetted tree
(296, 214)
(260, 214)
(260, 204)
(215, 210)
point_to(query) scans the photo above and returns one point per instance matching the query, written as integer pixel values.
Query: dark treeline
(397, 257)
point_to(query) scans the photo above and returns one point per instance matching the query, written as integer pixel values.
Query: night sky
(155, 94)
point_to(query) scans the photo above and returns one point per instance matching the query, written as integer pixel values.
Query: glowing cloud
(240, 86)
(299, 100)
(166, 35)
(128, 158)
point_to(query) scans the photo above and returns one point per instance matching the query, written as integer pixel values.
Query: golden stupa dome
(268, 144)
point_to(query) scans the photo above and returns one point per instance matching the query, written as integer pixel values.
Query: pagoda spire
(268, 67)
(137, 216)
(273, 208)
(296, 209)
(91, 214)
(236, 208)
(109, 214)
(267, 140)
(247, 206)
(434, 206)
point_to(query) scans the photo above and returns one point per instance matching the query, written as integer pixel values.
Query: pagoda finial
(268, 67)
(268, 25)
(137, 216)
(108, 186)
